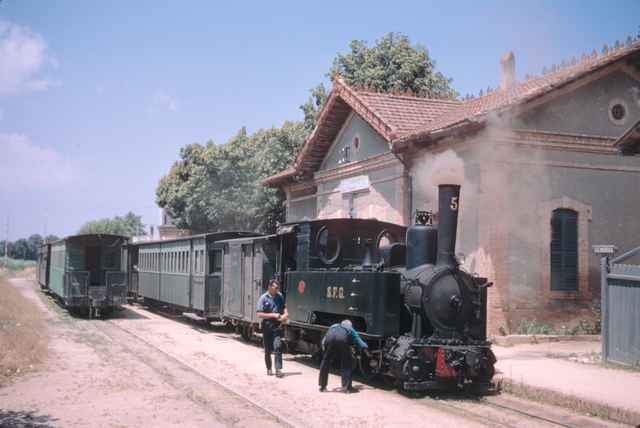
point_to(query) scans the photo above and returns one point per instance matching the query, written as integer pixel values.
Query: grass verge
(23, 333)
(9, 265)
(547, 396)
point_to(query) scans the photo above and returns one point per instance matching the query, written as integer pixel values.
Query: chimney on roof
(508, 70)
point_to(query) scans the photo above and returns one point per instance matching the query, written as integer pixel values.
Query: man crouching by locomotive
(273, 311)
(337, 345)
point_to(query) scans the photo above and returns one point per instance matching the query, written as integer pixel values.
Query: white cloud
(26, 166)
(162, 101)
(23, 58)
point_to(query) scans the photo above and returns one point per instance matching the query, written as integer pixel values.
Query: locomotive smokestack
(448, 206)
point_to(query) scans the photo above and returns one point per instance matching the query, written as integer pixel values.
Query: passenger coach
(183, 273)
(85, 272)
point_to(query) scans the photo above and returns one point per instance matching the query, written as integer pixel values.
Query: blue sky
(96, 98)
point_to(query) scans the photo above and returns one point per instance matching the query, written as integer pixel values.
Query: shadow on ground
(25, 419)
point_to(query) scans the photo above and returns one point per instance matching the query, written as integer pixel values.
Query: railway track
(227, 405)
(510, 412)
(202, 379)
(490, 411)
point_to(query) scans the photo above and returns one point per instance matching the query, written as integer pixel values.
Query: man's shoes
(269, 372)
(323, 388)
(279, 373)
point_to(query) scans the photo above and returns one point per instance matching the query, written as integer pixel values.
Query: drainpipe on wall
(410, 184)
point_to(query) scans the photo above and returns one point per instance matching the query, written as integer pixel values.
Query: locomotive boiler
(422, 315)
(447, 341)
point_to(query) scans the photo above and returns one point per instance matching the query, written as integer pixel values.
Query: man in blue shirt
(337, 344)
(272, 310)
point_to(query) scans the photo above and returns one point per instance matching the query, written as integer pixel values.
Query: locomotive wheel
(364, 368)
(389, 382)
(486, 374)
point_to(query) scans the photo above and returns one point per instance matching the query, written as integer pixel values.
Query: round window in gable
(618, 112)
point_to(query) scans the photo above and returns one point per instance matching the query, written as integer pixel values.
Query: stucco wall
(586, 110)
(381, 200)
(301, 209)
(371, 143)
(508, 195)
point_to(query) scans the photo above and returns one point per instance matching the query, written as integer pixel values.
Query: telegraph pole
(6, 240)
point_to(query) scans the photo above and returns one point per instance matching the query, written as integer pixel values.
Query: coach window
(564, 250)
(215, 261)
(327, 245)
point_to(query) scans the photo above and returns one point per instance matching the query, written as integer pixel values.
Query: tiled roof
(401, 119)
(521, 92)
(406, 113)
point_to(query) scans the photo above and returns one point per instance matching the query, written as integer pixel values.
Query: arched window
(564, 250)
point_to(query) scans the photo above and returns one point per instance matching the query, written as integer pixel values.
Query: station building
(549, 166)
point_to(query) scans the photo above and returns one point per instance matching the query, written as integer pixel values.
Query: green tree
(19, 249)
(129, 225)
(312, 106)
(217, 187)
(393, 64)
(34, 243)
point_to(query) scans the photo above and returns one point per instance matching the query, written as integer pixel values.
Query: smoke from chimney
(508, 70)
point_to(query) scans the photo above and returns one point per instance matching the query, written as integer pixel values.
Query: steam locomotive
(423, 316)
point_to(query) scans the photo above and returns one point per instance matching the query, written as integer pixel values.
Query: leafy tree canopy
(129, 225)
(217, 187)
(23, 248)
(393, 64)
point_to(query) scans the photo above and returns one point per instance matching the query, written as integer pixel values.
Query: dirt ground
(141, 368)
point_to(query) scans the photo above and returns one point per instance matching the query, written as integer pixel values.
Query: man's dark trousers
(272, 340)
(337, 346)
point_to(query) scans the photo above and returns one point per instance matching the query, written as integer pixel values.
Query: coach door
(233, 281)
(258, 257)
(247, 282)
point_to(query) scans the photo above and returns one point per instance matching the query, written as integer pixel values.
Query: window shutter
(564, 250)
